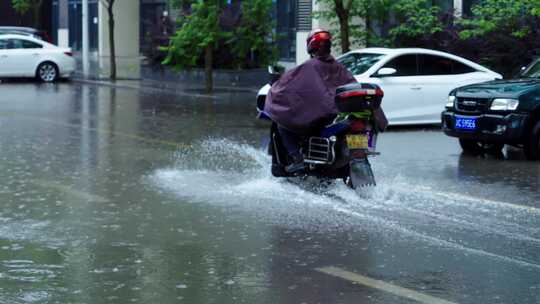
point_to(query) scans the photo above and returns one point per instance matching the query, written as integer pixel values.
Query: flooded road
(126, 196)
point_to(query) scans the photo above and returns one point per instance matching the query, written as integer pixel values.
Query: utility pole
(85, 37)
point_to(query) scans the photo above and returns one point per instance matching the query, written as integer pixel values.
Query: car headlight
(451, 101)
(504, 104)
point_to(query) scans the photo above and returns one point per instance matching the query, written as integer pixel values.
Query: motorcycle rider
(302, 100)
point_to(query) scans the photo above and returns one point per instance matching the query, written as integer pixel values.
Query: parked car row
(478, 107)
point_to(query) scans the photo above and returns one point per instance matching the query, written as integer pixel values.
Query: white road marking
(381, 285)
(476, 200)
(499, 204)
(449, 244)
(77, 194)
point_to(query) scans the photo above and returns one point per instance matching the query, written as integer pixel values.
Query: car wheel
(532, 145)
(479, 147)
(47, 72)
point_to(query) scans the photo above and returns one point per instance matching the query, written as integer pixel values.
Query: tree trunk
(37, 14)
(208, 61)
(344, 30)
(343, 17)
(112, 45)
(367, 20)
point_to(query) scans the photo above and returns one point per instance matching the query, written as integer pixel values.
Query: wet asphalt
(119, 195)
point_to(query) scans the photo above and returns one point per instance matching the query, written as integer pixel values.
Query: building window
(286, 18)
(304, 15)
(155, 27)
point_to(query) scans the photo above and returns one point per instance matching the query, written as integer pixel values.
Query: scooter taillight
(361, 93)
(357, 126)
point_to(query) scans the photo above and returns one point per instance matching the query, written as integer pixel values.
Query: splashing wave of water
(222, 172)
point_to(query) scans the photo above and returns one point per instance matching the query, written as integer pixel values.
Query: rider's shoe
(297, 166)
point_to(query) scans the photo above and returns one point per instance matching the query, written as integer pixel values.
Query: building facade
(9, 17)
(66, 28)
(138, 23)
(143, 25)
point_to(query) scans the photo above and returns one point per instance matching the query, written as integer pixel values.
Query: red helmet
(316, 38)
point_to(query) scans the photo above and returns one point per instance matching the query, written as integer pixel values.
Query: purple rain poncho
(304, 96)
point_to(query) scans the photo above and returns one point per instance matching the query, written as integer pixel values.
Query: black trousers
(291, 141)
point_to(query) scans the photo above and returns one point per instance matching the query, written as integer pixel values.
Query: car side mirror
(520, 73)
(385, 72)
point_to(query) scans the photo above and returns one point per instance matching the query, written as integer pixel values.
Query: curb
(174, 90)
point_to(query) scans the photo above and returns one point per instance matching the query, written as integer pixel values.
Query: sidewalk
(164, 78)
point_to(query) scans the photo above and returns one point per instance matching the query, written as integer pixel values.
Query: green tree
(506, 32)
(341, 13)
(200, 33)
(414, 19)
(396, 20)
(252, 41)
(513, 16)
(23, 6)
(536, 8)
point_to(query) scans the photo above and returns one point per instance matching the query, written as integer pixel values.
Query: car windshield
(359, 63)
(533, 71)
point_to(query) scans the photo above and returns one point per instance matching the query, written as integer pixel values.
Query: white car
(24, 56)
(416, 82)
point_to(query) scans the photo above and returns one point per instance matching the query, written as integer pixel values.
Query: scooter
(339, 150)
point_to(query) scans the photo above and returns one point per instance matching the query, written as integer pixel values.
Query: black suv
(486, 116)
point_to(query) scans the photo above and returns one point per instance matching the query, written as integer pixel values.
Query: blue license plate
(465, 123)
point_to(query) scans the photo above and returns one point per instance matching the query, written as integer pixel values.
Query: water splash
(223, 172)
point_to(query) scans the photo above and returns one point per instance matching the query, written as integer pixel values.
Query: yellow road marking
(122, 134)
(77, 194)
(381, 285)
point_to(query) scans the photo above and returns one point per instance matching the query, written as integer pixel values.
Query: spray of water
(227, 173)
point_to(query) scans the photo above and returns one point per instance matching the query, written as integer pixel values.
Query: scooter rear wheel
(360, 173)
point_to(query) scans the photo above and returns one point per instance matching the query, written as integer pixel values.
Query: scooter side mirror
(274, 69)
(275, 73)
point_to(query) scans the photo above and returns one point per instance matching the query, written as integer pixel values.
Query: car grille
(472, 105)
